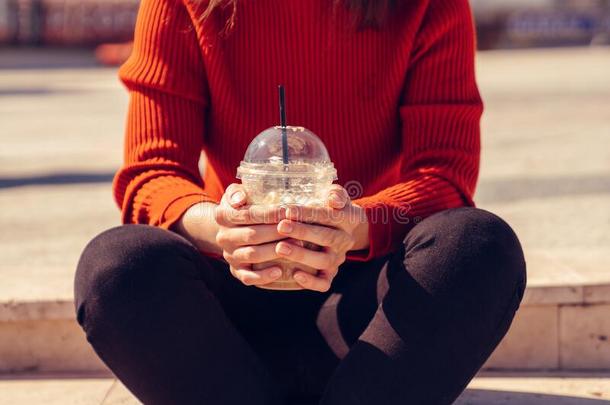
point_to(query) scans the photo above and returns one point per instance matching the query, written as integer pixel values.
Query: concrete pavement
(486, 389)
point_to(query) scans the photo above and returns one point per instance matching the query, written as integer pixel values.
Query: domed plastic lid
(306, 154)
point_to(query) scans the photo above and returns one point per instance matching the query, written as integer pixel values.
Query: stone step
(563, 322)
(558, 327)
(485, 389)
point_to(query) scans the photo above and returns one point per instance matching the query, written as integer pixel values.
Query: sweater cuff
(162, 201)
(176, 208)
(380, 235)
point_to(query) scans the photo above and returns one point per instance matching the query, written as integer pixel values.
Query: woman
(416, 287)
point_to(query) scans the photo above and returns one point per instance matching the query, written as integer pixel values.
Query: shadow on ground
(56, 179)
(46, 58)
(514, 189)
(35, 91)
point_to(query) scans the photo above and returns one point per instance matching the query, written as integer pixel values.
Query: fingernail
(285, 227)
(284, 249)
(336, 199)
(283, 211)
(275, 273)
(237, 197)
(300, 278)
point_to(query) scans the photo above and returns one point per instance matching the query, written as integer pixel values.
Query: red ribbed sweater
(398, 108)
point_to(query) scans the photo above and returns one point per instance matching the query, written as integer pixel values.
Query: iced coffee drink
(286, 166)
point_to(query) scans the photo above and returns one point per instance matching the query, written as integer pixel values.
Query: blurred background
(544, 73)
(501, 23)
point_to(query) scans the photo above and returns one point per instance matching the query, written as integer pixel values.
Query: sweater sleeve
(165, 78)
(440, 114)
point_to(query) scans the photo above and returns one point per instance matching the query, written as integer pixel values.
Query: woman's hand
(247, 236)
(338, 228)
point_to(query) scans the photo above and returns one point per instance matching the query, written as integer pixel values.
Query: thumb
(236, 195)
(337, 197)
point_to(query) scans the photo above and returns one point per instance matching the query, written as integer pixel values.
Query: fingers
(321, 260)
(318, 215)
(252, 254)
(246, 235)
(338, 197)
(236, 195)
(346, 218)
(321, 282)
(320, 235)
(257, 277)
(256, 214)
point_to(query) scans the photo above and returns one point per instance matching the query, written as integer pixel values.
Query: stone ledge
(46, 346)
(63, 309)
(570, 335)
(567, 294)
(556, 337)
(14, 310)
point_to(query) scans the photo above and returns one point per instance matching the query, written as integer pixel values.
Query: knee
(474, 240)
(124, 268)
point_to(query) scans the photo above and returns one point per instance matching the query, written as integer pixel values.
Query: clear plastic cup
(304, 180)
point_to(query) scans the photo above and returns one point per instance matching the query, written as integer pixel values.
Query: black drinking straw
(284, 134)
(283, 124)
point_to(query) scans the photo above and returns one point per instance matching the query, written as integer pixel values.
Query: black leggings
(412, 328)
